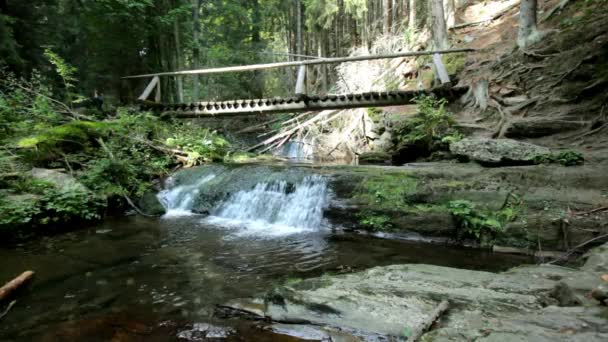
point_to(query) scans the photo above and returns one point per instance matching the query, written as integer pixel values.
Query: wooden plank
(149, 88)
(298, 63)
(301, 82)
(442, 72)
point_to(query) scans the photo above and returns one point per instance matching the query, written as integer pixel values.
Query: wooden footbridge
(301, 101)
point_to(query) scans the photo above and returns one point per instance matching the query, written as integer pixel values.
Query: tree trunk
(178, 62)
(440, 32)
(299, 29)
(412, 16)
(256, 40)
(388, 15)
(528, 32)
(196, 52)
(450, 12)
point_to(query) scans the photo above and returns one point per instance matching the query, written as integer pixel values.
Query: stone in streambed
(498, 152)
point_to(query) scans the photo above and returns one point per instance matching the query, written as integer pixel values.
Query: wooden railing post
(442, 72)
(301, 82)
(155, 81)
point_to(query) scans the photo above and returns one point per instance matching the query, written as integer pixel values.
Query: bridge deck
(297, 104)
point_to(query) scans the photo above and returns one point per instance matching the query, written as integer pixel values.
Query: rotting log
(12, 286)
(292, 105)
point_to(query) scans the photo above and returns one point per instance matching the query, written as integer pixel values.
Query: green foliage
(45, 204)
(565, 158)
(374, 113)
(201, 144)
(476, 221)
(375, 222)
(14, 213)
(387, 191)
(430, 127)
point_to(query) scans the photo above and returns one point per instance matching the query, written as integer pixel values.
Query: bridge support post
(301, 82)
(442, 72)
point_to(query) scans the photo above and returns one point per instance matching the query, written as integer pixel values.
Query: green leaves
(476, 221)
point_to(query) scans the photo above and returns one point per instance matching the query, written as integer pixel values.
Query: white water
(272, 209)
(178, 201)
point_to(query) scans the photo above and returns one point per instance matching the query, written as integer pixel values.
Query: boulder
(498, 152)
(378, 158)
(59, 179)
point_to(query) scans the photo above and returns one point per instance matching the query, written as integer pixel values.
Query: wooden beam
(296, 104)
(442, 72)
(149, 89)
(301, 82)
(299, 63)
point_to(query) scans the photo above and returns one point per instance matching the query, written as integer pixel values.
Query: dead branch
(292, 130)
(8, 308)
(573, 250)
(7, 290)
(557, 8)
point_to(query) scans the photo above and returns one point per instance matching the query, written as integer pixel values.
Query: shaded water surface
(138, 279)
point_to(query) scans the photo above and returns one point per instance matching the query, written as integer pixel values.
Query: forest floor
(553, 93)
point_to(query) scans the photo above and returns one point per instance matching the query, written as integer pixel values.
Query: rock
(384, 142)
(371, 158)
(535, 128)
(564, 295)
(205, 331)
(498, 152)
(150, 205)
(59, 179)
(600, 293)
(392, 301)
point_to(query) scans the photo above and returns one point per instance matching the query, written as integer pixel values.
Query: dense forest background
(108, 39)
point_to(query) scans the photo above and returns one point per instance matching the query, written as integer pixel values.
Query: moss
(246, 157)
(387, 191)
(454, 63)
(374, 113)
(75, 132)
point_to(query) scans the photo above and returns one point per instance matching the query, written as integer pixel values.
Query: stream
(153, 279)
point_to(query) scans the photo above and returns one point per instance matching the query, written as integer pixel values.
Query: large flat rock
(518, 305)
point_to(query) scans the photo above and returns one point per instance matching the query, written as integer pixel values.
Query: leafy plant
(565, 158)
(430, 126)
(375, 222)
(65, 71)
(476, 221)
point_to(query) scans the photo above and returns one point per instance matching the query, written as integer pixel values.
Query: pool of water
(141, 279)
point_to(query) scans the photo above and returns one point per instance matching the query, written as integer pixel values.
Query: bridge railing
(300, 88)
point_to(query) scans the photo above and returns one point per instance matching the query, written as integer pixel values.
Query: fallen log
(12, 286)
(422, 328)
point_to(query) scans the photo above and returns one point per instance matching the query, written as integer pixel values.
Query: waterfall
(178, 200)
(298, 150)
(275, 208)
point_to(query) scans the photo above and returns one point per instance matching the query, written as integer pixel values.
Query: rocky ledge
(432, 303)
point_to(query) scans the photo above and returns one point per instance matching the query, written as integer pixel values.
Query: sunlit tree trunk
(412, 14)
(439, 29)
(528, 31)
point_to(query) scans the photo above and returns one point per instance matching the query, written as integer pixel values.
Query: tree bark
(412, 16)
(178, 62)
(196, 52)
(299, 29)
(7, 290)
(439, 29)
(450, 12)
(528, 32)
(388, 15)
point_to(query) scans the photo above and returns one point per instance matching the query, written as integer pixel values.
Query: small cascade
(298, 150)
(275, 208)
(178, 200)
